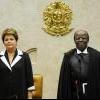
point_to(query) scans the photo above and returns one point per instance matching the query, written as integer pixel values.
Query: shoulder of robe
(70, 52)
(93, 50)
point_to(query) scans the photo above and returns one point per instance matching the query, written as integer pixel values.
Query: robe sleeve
(64, 85)
(29, 73)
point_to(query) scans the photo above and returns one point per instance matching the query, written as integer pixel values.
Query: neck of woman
(11, 51)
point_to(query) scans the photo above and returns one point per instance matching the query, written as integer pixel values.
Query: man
(80, 71)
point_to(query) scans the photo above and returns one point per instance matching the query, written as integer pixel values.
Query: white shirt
(85, 51)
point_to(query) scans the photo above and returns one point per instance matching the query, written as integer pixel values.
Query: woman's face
(10, 42)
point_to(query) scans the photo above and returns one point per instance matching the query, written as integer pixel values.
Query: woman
(16, 76)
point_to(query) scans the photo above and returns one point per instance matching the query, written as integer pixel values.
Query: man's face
(81, 39)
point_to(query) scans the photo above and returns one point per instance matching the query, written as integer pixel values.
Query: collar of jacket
(17, 58)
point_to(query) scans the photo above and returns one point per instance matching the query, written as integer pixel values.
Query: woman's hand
(30, 94)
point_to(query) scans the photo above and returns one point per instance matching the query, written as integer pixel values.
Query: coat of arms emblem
(57, 19)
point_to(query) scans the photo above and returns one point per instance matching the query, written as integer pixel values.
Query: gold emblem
(57, 18)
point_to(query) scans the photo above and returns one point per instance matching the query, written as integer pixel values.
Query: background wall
(26, 17)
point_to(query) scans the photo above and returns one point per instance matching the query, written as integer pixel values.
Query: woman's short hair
(10, 31)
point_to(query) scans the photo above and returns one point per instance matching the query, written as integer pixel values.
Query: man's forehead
(81, 33)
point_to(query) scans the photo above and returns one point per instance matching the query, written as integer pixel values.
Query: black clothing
(79, 63)
(16, 78)
(70, 81)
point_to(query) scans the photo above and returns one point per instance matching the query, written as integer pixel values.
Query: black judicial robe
(65, 90)
(16, 78)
